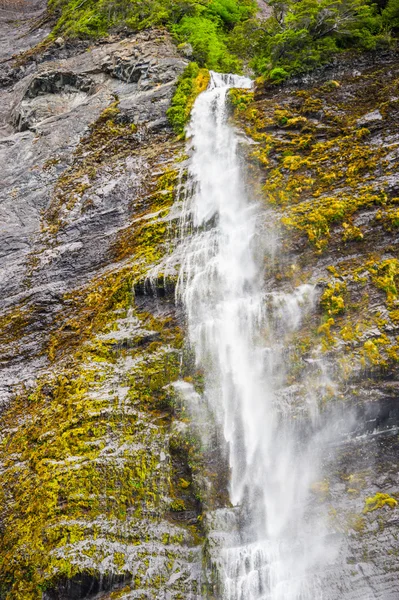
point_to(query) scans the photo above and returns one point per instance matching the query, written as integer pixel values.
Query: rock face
(97, 497)
(325, 159)
(101, 481)
(66, 181)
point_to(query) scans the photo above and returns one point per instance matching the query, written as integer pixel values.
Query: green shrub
(278, 74)
(298, 36)
(208, 42)
(390, 15)
(193, 81)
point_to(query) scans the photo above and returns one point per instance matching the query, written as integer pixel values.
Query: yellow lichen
(379, 501)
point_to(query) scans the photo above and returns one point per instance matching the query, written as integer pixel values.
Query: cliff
(95, 484)
(103, 488)
(324, 160)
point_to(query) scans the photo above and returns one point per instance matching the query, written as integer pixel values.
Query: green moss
(385, 275)
(240, 98)
(57, 475)
(303, 172)
(325, 178)
(191, 83)
(177, 506)
(357, 523)
(14, 322)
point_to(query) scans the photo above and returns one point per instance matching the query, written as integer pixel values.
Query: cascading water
(237, 331)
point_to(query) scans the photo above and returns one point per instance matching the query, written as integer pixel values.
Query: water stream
(238, 329)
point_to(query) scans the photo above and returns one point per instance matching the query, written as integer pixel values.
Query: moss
(325, 331)
(240, 98)
(332, 300)
(385, 276)
(379, 501)
(89, 309)
(57, 475)
(144, 242)
(321, 489)
(80, 464)
(192, 82)
(145, 238)
(14, 322)
(357, 523)
(326, 177)
(178, 506)
(315, 217)
(120, 593)
(302, 171)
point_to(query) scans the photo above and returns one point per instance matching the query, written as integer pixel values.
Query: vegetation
(378, 501)
(298, 36)
(80, 465)
(203, 25)
(193, 81)
(303, 34)
(80, 450)
(325, 174)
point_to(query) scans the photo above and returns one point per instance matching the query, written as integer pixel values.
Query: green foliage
(193, 81)
(298, 36)
(302, 34)
(390, 15)
(278, 74)
(204, 25)
(208, 42)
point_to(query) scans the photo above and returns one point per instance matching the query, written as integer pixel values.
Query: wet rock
(352, 345)
(369, 118)
(50, 94)
(53, 109)
(84, 141)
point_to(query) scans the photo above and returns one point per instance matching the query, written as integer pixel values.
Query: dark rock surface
(326, 163)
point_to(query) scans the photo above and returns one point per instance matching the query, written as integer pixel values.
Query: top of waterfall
(229, 80)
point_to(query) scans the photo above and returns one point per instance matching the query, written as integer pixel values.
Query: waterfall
(237, 329)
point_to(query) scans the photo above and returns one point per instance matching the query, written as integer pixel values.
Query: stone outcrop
(65, 183)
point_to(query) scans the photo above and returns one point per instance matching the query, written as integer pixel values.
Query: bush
(299, 35)
(278, 74)
(208, 43)
(302, 34)
(390, 14)
(193, 81)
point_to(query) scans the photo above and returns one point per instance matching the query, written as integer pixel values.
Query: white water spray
(237, 331)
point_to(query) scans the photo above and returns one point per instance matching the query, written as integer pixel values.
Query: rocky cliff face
(325, 160)
(96, 485)
(100, 491)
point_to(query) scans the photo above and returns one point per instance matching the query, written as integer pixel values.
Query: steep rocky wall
(100, 480)
(22, 26)
(97, 498)
(324, 159)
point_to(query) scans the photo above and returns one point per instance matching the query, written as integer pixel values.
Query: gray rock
(369, 118)
(42, 119)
